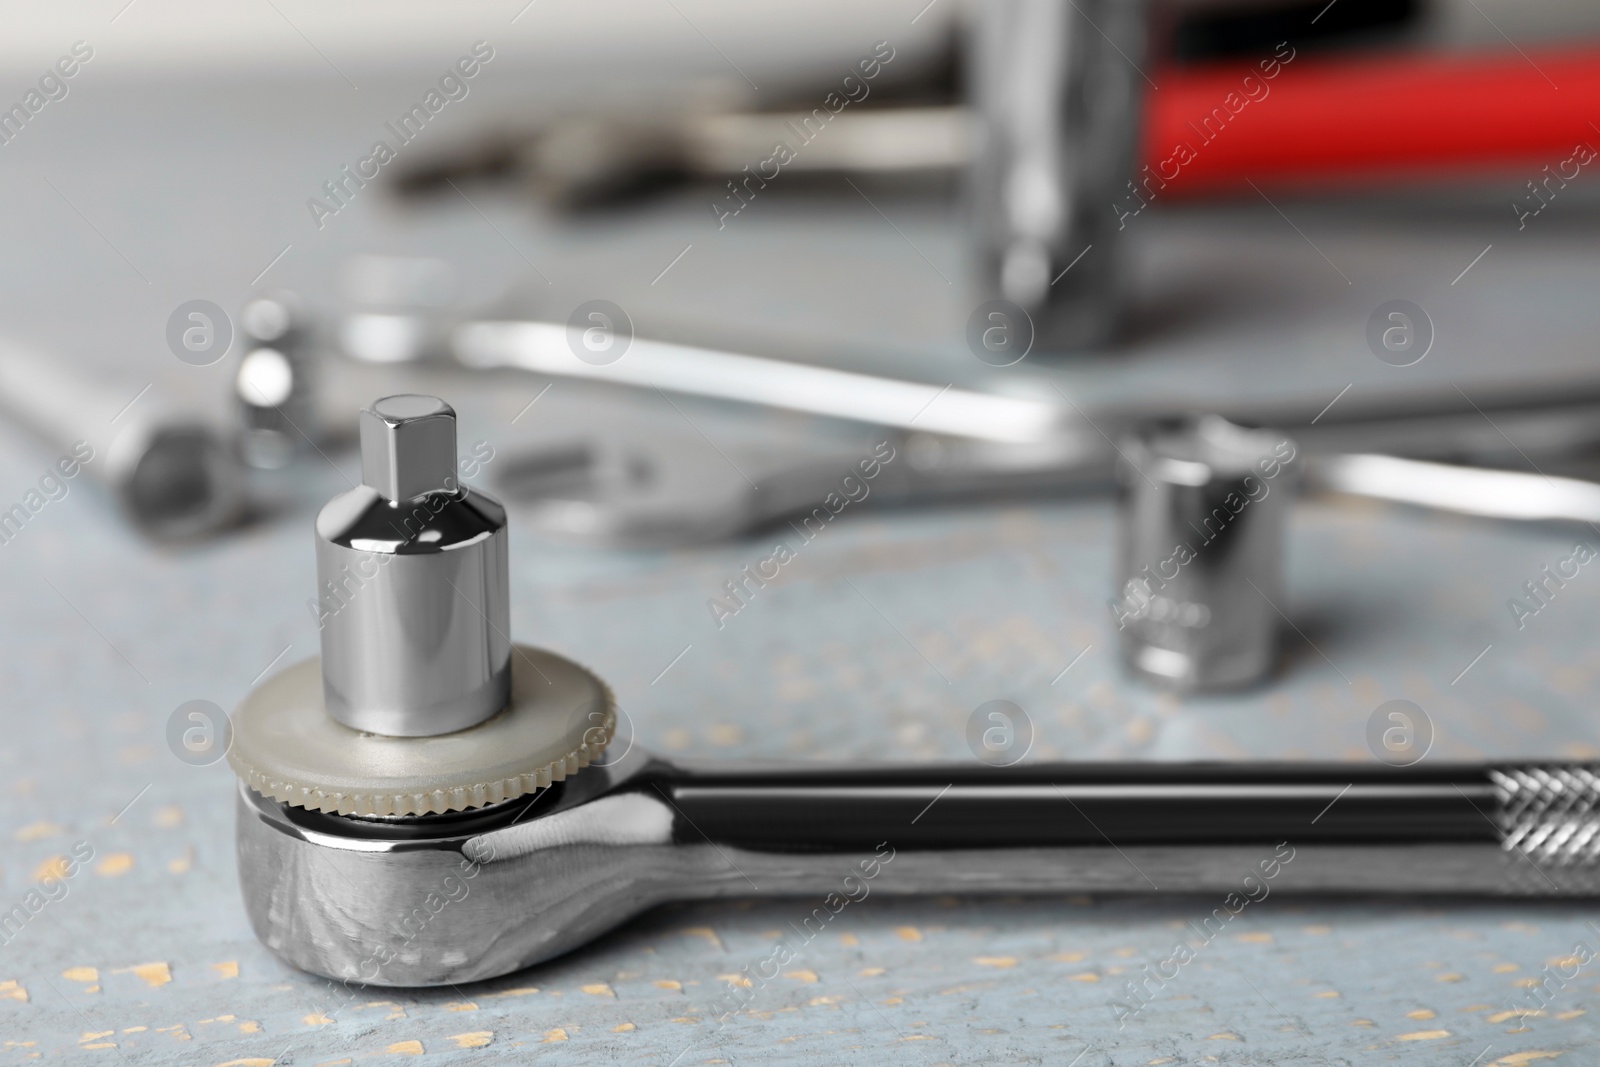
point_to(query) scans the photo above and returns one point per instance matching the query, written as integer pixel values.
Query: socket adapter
(420, 703)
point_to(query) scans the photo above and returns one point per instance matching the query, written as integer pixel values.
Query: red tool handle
(1337, 122)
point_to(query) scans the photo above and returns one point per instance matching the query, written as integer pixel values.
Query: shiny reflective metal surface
(173, 469)
(627, 489)
(272, 386)
(408, 446)
(544, 347)
(1492, 494)
(1200, 547)
(413, 591)
(1057, 89)
(621, 490)
(473, 895)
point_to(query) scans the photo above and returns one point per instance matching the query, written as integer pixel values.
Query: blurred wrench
(661, 490)
(1431, 421)
(957, 444)
(549, 348)
(173, 470)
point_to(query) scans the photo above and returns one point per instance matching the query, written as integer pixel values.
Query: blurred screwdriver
(1329, 120)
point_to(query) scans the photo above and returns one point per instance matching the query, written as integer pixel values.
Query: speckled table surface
(147, 957)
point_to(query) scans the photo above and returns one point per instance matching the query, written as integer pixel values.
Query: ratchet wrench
(543, 875)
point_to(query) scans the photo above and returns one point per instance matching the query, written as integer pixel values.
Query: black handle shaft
(962, 806)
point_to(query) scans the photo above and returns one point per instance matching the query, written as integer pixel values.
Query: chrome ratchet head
(471, 895)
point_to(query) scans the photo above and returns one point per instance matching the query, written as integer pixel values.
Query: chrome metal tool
(1200, 551)
(551, 349)
(420, 702)
(272, 389)
(1057, 89)
(397, 842)
(416, 606)
(172, 468)
(476, 894)
(962, 443)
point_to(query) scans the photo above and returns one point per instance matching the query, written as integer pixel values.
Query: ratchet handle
(1546, 811)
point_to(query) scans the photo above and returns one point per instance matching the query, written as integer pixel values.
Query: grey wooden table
(147, 957)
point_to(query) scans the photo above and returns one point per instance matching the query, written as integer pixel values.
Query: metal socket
(1058, 93)
(1200, 572)
(414, 597)
(272, 385)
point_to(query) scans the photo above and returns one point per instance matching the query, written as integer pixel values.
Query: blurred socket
(272, 387)
(1057, 90)
(1200, 572)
